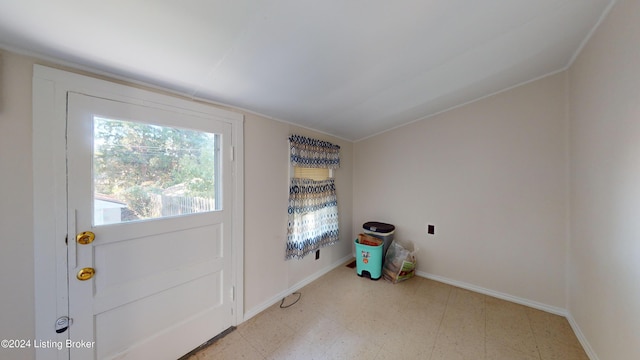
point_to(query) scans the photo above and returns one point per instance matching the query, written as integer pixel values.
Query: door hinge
(233, 293)
(66, 240)
(232, 153)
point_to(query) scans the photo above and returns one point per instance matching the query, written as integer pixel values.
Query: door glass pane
(143, 171)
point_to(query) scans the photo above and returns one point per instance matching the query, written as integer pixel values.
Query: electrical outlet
(431, 229)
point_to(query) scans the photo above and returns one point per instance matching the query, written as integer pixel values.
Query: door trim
(50, 88)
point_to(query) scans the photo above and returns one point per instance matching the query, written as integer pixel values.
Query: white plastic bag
(399, 263)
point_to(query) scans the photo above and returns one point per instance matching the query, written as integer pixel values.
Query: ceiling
(349, 68)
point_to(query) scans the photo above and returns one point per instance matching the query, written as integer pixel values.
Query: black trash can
(382, 231)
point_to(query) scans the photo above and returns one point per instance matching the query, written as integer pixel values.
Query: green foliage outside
(133, 161)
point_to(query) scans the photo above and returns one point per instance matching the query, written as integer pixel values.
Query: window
(312, 173)
(313, 202)
(143, 171)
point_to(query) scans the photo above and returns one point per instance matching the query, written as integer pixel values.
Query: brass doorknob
(85, 238)
(85, 274)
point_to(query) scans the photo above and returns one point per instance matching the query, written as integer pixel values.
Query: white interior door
(154, 186)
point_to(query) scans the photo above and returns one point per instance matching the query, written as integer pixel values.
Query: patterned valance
(313, 153)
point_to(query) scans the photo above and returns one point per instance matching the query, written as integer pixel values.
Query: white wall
(16, 205)
(267, 274)
(492, 177)
(604, 271)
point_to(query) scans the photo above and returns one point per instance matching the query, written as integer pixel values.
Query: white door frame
(50, 87)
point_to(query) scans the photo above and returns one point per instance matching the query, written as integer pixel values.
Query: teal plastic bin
(369, 260)
(382, 231)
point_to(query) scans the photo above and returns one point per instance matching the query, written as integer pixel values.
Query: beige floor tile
(461, 334)
(295, 348)
(343, 316)
(295, 316)
(424, 313)
(499, 351)
(232, 346)
(467, 322)
(404, 343)
(323, 331)
(465, 299)
(554, 337)
(548, 326)
(227, 341)
(352, 346)
(433, 291)
(375, 325)
(560, 351)
(265, 333)
(239, 353)
(451, 346)
(507, 323)
(314, 296)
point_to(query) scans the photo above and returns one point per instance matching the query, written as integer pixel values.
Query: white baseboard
(278, 297)
(515, 299)
(583, 340)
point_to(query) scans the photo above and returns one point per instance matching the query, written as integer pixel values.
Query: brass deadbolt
(85, 238)
(85, 274)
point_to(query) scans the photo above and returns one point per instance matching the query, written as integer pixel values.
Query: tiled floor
(343, 316)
